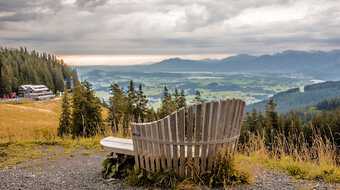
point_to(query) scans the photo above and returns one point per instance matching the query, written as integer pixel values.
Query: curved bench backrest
(189, 138)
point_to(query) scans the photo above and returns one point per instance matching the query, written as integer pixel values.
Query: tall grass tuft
(293, 154)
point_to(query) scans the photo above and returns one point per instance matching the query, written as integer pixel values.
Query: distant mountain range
(319, 64)
(296, 98)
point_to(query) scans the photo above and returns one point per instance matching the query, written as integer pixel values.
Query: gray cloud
(90, 3)
(170, 26)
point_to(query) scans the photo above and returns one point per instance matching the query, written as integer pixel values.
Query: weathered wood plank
(243, 105)
(160, 129)
(229, 121)
(167, 137)
(145, 147)
(189, 136)
(240, 112)
(234, 124)
(135, 145)
(206, 127)
(198, 136)
(181, 131)
(212, 136)
(173, 128)
(139, 147)
(150, 147)
(220, 124)
(155, 143)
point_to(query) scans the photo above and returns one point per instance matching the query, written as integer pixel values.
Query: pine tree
(176, 98)
(168, 105)
(182, 100)
(198, 99)
(142, 104)
(87, 118)
(132, 102)
(117, 107)
(65, 120)
(271, 122)
(179, 99)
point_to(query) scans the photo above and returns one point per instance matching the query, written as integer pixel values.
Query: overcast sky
(137, 31)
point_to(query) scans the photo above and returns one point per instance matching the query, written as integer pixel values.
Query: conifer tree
(132, 102)
(117, 107)
(271, 121)
(87, 118)
(176, 97)
(65, 121)
(198, 98)
(168, 105)
(142, 104)
(182, 100)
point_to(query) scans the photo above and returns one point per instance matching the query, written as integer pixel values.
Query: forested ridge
(20, 66)
(294, 98)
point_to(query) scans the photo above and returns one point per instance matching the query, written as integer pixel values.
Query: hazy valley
(251, 78)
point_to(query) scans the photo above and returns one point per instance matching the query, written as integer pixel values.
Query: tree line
(81, 113)
(132, 105)
(294, 129)
(329, 104)
(82, 116)
(20, 66)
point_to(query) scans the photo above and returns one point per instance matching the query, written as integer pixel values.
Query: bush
(164, 179)
(295, 171)
(117, 166)
(224, 173)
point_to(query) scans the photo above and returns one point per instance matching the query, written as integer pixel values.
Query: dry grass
(317, 162)
(28, 121)
(29, 130)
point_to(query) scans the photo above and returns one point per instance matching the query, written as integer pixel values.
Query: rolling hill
(297, 98)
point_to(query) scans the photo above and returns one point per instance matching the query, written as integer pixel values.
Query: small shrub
(138, 178)
(117, 166)
(225, 174)
(296, 171)
(3, 154)
(164, 179)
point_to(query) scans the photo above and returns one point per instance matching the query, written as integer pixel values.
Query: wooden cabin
(36, 92)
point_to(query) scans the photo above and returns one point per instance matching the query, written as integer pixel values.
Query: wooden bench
(186, 141)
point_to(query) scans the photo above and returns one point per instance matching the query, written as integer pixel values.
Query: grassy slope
(28, 121)
(29, 130)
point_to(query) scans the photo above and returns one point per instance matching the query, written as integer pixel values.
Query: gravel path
(77, 171)
(82, 171)
(268, 180)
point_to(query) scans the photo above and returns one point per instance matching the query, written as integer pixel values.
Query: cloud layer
(75, 27)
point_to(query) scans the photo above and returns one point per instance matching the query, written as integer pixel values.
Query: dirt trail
(30, 108)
